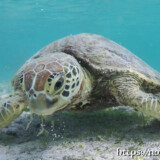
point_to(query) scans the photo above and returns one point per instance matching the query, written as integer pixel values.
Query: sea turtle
(84, 72)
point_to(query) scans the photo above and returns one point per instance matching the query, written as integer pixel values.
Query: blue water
(28, 25)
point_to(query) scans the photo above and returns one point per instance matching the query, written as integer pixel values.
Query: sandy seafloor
(95, 136)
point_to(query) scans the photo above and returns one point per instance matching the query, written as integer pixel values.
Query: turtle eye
(59, 83)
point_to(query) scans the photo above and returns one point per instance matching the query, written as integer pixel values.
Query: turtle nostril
(31, 92)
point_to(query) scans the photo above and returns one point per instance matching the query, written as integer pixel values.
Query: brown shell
(102, 56)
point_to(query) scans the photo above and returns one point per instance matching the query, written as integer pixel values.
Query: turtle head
(56, 81)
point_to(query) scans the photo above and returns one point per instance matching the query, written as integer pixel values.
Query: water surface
(26, 26)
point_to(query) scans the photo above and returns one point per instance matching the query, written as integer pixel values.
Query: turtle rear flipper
(11, 106)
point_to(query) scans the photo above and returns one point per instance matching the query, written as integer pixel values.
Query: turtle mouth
(60, 110)
(50, 103)
(44, 105)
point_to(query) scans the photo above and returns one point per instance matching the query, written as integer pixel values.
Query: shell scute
(28, 80)
(54, 67)
(39, 67)
(41, 80)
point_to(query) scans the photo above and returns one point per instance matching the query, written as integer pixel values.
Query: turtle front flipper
(11, 106)
(128, 91)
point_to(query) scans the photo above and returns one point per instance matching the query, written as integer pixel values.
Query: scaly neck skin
(86, 87)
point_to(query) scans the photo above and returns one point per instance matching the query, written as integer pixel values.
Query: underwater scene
(34, 121)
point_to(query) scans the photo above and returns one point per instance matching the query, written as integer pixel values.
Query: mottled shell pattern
(103, 57)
